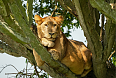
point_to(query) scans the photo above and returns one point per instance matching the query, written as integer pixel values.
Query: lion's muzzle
(51, 34)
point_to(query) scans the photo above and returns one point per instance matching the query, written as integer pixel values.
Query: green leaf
(26, 61)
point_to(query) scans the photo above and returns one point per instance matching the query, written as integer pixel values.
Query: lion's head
(49, 26)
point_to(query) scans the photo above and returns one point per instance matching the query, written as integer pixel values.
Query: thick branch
(51, 71)
(11, 47)
(29, 11)
(8, 31)
(104, 8)
(109, 38)
(7, 45)
(69, 6)
(87, 21)
(22, 9)
(86, 14)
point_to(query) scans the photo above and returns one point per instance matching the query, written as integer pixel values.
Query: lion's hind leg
(87, 56)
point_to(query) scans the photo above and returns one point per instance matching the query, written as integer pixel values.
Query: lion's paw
(51, 44)
(54, 54)
(47, 43)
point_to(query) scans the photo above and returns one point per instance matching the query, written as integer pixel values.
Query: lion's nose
(51, 33)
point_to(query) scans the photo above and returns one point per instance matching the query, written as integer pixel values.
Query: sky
(20, 62)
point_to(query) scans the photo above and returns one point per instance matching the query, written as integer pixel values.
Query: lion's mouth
(51, 39)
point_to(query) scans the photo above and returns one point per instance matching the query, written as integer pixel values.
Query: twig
(111, 55)
(7, 66)
(54, 9)
(36, 71)
(108, 62)
(28, 74)
(26, 67)
(102, 25)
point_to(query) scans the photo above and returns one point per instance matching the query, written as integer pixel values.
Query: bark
(18, 40)
(104, 8)
(87, 21)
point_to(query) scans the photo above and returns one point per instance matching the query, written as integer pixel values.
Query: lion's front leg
(54, 53)
(47, 43)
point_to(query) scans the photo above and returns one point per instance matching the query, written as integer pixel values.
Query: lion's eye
(45, 24)
(54, 25)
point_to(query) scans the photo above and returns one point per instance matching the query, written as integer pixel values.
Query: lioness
(72, 53)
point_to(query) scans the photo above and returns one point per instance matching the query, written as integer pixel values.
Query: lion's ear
(58, 19)
(38, 19)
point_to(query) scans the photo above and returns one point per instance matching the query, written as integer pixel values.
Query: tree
(15, 30)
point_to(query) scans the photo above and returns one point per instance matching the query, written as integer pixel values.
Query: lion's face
(50, 26)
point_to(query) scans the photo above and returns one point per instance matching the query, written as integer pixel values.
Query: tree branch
(109, 37)
(29, 11)
(11, 47)
(69, 6)
(104, 8)
(86, 16)
(8, 31)
(88, 25)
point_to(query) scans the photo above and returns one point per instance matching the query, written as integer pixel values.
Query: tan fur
(72, 53)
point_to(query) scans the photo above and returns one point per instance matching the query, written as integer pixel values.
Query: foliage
(114, 59)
